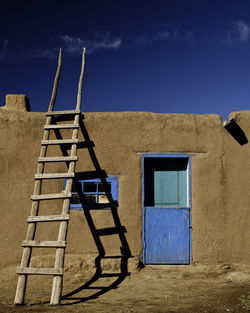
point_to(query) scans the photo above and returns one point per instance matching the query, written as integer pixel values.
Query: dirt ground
(125, 289)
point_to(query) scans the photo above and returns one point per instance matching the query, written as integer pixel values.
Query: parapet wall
(220, 176)
(17, 102)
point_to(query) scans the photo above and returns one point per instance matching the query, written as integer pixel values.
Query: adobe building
(182, 182)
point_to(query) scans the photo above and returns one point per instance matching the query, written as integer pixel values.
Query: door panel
(167, 236)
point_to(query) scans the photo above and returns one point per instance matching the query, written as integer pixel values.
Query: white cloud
(73, 45)
(239, 33)
(144, 40)
(172, 34)
(3, 47)
(97, 41)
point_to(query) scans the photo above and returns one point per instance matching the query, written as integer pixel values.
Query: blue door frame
(167, 229)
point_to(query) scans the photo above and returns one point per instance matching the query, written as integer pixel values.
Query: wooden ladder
(24, 270)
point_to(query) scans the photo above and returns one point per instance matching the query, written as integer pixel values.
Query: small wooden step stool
(24, 270)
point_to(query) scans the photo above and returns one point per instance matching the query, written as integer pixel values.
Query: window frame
(113, 180)
(146, 166)
(189, 186)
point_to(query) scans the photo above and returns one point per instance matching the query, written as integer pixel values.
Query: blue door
(166, 210)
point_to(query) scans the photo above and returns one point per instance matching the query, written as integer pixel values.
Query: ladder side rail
(79, 93)
(26, 255)
(56, 81)
(60, 252)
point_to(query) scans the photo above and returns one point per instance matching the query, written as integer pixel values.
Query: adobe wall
(220, 173)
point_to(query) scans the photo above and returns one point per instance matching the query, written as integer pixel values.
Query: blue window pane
(166, 188)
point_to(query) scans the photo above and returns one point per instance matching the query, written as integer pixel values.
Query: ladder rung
(51, 196)
(54, 175)
(58, 159)
(59, 142)
(66, 112)
(61, 126)
(39, 271)
(48, 218)
(44, 244)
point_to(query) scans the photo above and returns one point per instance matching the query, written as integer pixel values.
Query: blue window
(93, 192)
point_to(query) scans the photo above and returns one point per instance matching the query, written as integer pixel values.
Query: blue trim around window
(113, 180)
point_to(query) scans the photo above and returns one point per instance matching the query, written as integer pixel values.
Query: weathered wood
(61, 126)
(22, 279)
(79, 93)
(59, 142)
(48, 218)
(57, 159)
(54, 175)
(66, 112)
(60, 245)
(44, 244)
(56, 81)
(39, 271)
(59, 260)
(51, 196)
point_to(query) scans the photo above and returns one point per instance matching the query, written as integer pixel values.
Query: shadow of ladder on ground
(98, 233)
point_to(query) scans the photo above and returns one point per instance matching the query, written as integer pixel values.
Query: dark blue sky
(170, 56)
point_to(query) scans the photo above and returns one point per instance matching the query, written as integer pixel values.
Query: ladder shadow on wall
(118, 229)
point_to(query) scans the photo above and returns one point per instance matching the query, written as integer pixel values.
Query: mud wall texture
(220, 174)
